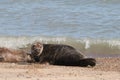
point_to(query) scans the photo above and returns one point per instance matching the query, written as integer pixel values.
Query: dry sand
(106, 69)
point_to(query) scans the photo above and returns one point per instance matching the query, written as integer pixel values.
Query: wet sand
(106, 69)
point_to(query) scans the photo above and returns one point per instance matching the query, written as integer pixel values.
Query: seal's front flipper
(1, 59)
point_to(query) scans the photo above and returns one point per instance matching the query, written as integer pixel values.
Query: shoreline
(106, 69)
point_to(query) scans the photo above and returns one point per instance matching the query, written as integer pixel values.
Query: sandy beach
(106, 69)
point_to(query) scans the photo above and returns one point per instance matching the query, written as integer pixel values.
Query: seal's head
(36, 49)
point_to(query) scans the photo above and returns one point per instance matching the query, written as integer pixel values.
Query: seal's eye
(33, 47)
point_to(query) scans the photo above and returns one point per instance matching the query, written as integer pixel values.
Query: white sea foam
(88, 46)
(16, 42)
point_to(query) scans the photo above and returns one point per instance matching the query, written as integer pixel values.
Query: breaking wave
(90, 47)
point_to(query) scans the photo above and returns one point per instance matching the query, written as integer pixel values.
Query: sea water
(91, 26)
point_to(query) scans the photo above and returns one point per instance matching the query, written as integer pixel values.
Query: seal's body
(58, 54)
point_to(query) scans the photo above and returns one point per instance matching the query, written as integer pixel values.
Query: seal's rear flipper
(87, 62)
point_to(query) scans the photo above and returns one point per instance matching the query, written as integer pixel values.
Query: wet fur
(11, 55)
(57, 54)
